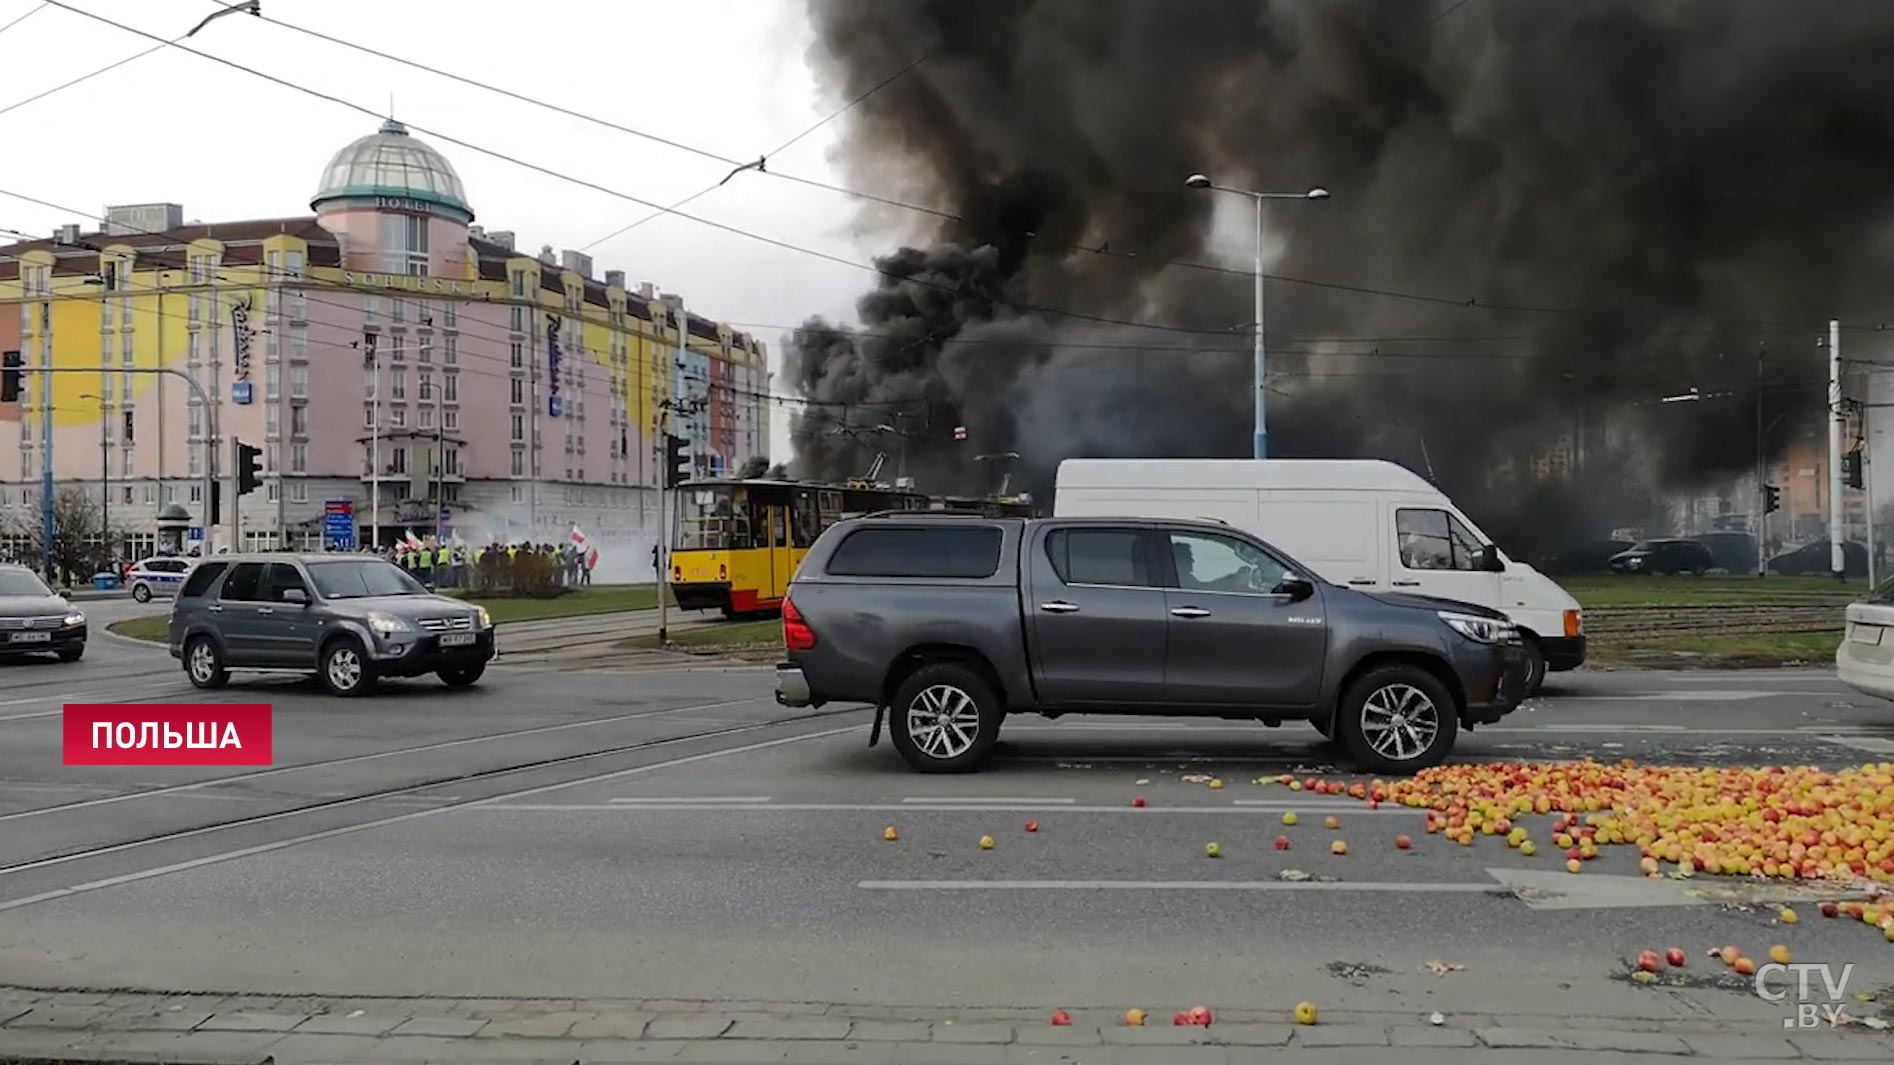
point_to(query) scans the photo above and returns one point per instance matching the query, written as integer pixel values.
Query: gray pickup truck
(953, 622)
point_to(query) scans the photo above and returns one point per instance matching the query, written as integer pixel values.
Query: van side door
(1095, 614)
(1436, 554)
(1236, 640)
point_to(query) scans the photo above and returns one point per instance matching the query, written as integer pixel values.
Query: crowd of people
(495, 565)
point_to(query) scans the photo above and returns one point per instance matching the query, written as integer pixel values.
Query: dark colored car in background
(1664, 556)
(33, 619)
(950, 624)
(1734, 552)
(347, 619)
(1592, 556)
(1812, 559)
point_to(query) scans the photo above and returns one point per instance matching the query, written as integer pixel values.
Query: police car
(157, 576)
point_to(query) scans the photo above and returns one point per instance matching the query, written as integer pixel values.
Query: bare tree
(80, 541)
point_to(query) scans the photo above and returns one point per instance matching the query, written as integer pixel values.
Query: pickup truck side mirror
(1490, 560)
(1296, 587)
(296, 595)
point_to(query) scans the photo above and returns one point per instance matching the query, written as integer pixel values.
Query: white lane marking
(1714, 696)
(353, 759)
(312, 837)
(67, 697)
(1179, 885)
(845, 807)
(720, 799)
(1871, 744)
(981, 800)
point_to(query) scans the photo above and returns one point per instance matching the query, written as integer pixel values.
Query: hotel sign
(409, 283)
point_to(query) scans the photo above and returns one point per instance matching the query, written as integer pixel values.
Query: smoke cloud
(1612, 201)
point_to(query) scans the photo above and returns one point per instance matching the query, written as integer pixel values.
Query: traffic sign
(195, 532)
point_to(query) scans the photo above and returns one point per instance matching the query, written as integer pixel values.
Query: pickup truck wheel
(946, 718)
(1397, 719)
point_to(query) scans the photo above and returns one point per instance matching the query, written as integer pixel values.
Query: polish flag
(585, 547)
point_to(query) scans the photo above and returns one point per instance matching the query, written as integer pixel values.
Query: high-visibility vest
(442, 555)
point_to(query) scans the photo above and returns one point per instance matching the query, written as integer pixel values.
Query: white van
(1363, 523)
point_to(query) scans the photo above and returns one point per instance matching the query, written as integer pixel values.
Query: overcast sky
(727, 76)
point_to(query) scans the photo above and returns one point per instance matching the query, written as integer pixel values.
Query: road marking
(67, 697)
(644, 800)
(1423, 888)
(373, 756)
(312, 837)
(1542, 889)
(974, 799)
(1016, 806)
(1713, 696)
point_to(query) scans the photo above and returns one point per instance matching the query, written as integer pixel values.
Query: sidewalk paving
(59, 1026)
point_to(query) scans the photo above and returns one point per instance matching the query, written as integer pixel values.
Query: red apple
(1829, 909)
(1061, 1018)
(1647, 961)
(1675, 956)
(1137, 800)
(1032, 826)
(1181, 1017)
(1282, 843)
(1200, 1016)
(1402, 843)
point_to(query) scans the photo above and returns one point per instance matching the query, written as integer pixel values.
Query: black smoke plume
(1612, 201)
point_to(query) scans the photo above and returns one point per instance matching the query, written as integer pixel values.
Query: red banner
(167, 734)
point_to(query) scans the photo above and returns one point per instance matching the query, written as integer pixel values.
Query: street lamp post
(1202, 181)
(105, 477)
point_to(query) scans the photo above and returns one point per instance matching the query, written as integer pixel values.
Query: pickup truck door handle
(1360, 580)
(1059, 606)
(1190, 612)
(1405, 584)
(266, 610)
(214, 608)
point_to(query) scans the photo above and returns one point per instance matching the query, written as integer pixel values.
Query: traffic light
(10, 364)
(249, 468)
(216, 503)
(677, 464)
(1851, 469)
(1772, 499)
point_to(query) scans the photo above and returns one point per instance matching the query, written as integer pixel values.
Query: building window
(298, 457)
(197, 492)
(450, 348)
(298, 492)
(426, 415)
(519, 427)
(398, 310)
(450, 419)
(398, 462)
(404, 238)
(398, 417)
(272, 421)
(517, 281)
(194, 348)
(272, 456)
(450, 386)
(127, 461)
(196, 469)
(424, 381)
(272, 382)
(196, 420)
(299, 381)
(424, 349)
(398, 384)
(518, 322)
(299, 421)
(368, 415)
(518, 355)
(270, 492)
(151, 496)
(519, 469)
(450, 460)
(519, 392)
(298, 342)
(450, 315)
(397, 345)
(371, 309)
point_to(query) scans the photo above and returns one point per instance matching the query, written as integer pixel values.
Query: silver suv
(348, 619)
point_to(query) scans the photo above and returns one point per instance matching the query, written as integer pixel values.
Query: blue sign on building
(338, 525)
(240, 392)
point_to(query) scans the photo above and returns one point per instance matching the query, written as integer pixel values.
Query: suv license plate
(457, 639)
(31, 637)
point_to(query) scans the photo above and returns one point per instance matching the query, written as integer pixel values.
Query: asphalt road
(675, 834)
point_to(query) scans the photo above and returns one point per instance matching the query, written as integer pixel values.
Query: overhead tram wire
(30, 12)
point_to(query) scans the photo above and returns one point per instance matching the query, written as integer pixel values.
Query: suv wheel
(204, 663)
(1397, 719)
(946, 718)
(461, 676)
(346, 669)
(141, 592)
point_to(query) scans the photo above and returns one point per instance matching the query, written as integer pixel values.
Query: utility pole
(1867, 489)
(1836, 557)
(236, 494)
(105, 480)
(374, 440)
(46, 441)
(663, 556)
(1762, 478)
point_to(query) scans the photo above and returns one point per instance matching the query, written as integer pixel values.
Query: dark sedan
(34, 620)
(1664, 556)
(1812, 559)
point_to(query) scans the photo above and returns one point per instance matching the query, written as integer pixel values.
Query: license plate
(31, 637)
(1868, 634)
(457, 639)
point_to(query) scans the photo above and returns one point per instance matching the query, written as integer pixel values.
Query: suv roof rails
(1219, 521)
(944, 513)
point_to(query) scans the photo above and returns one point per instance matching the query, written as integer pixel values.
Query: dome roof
(390, 163)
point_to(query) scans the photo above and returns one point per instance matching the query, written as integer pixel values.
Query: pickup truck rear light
(797, 635)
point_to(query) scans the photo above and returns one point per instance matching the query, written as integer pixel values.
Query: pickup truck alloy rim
(942, 721)
(345, 669)
(1399, 721)
(202, 663)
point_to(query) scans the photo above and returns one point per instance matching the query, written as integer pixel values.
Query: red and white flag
(584, 546)
(960, 432)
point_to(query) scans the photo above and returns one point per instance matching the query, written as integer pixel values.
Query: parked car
(1592, 556)
(1664, 556)
(1865, 659)
(348, 619)
(35, 620)
(1812, 559)
(162, 575)
(1733, 552)
(952, 623)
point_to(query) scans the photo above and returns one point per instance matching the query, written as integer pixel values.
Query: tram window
(710, 520)
(807, 523)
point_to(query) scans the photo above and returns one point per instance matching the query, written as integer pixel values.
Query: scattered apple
(1032, 826)
(1061, 1019)
(1572, 865)
(1331, 822)
(1829, 909)
(1402, 843)
(1282, 843)
(1134, 1018)
(890, 834)
(1675, 957)
(1745, 967)
(1338, 847)
(986, 843)
(1779, 954)
(1787, 916)
(1289, 818)
(1648, 866)
(1305, 1013)
(1528, 848)
(1730, 954)
(1138, 801)
(1200, 1016)
(1181, 1017)
(1295, 785)
(1648, 961)
(1213, 850)
(1216, 782)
